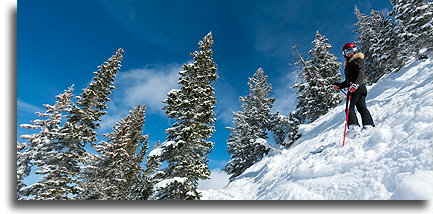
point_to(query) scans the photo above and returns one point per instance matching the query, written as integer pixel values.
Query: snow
(28, 126)
(391, 162)
(169, 143)
(156, 152)
(218, 179)
(417, 186)
(166, 182)
(26, 136)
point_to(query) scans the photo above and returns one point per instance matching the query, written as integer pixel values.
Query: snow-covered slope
(394, 161)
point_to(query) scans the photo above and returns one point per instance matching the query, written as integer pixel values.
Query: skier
(355, 76)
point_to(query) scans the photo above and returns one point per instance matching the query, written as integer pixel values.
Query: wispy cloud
(148, 86)
(225, 116)
(28, 108)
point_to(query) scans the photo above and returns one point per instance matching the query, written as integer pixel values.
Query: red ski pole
(349, 96)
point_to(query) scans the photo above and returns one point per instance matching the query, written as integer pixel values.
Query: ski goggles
(348, 51)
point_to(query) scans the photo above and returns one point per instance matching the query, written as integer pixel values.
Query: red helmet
(349, 48)
(349, 45)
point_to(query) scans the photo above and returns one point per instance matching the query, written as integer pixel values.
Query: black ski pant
(358, 101)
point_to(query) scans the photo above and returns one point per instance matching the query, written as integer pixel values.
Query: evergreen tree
(151, 175)
(279, 126)
(324, 64)
(315, 93)
(379, 43)
(292, 134)
(327, 68)
(187, 147)
(58, 151)
(415, 19)
(117, 173)
(251, 124)
(93, 100)
(285, 129)
(385, 52)
(85, 116)
(24, 166)
(49, 155)
(366, 39)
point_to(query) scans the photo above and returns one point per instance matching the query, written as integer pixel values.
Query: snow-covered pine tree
(385, 56)
(327, 68)
(24, 166)
(324, 63)
(415, 19)
(93, 100)
(116, 174)
(257, 104)
(59, 153)
(285, 129)
(365, 39)
(292, 132)
(50, 155)
(302, 87)
(151, 175)
(84, 117)
(378, 41)
(279, 127)
(315, 93)
(295, 117)
(251, 124)
(241, 147)
(187, 147)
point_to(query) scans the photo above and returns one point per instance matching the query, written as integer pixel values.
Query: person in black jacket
(355, 76)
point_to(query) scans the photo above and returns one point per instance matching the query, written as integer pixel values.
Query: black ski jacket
(354, 71)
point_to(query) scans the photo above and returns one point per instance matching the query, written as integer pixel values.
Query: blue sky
(61, 43)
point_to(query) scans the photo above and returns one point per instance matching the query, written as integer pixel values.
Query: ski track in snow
(393, 161)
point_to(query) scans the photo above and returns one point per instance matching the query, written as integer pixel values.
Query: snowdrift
(394, 161)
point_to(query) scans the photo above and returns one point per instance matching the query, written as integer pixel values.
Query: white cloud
(148, 85)
(28, 108)
(218, 180)
(226, 116)
(108, 121)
